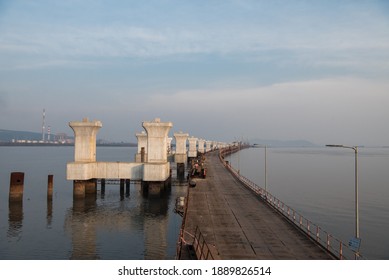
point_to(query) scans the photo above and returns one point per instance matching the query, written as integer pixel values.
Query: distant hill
(8, 135)
(283, 143)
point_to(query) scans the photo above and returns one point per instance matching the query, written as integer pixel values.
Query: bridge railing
(326, 240)
(200, 246)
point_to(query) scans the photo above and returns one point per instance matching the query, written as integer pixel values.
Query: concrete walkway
(238, 225)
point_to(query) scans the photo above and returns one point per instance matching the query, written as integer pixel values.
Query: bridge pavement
(238, 225)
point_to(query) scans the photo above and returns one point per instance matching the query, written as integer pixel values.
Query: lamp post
(355, 148)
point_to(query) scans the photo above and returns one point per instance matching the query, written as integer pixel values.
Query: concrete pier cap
(157, 168)
(192, 152)
(157, 133)
(142, 143)
(85, 139)
(201, 145)
(181, 153)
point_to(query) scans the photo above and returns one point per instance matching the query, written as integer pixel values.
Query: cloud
(317, 110)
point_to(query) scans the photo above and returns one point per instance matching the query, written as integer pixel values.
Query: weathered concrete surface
(238, 225)
(107, 170)
(142, 143)
(157, 133)
(192, 152)
(181, 153)
(200, 144)
(85, 139)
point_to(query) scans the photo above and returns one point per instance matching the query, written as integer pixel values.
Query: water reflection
(154, 209)
(120, 223)
(15, 219)
(49, 216)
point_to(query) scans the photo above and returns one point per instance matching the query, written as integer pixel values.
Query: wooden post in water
(16, 186)
(50, 186)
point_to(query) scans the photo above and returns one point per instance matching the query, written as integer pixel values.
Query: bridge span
(225, 220)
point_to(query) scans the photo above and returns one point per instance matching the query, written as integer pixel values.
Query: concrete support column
(208, 146)
(157, 133)
(201, 146)
(85, 140)
(83, 187)
(192, 153)
(85, 151)
(156, 171)
(181, 154)
(142, 143)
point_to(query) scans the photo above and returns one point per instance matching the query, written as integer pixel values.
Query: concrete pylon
(192, 152)
(85, 140)
(200, 148)
(156, 172)
(142, 143)
(157, 133)
(208, 146)
(85, 151)
(181, 153)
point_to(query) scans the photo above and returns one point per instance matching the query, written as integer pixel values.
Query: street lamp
(355, 148)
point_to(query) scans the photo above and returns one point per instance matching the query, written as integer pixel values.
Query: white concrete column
(157, 168)
(201, 146)
(85, 140)
(192, 153)
(181, 153)
(157, 133)
(142, 143)
(208, 146)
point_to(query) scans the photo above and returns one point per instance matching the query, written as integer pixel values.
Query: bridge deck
(238, 225)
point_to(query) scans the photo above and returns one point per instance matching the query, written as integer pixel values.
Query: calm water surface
(319, 183)
(107, 227)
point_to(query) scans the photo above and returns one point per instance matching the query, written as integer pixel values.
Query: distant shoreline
(10, 144)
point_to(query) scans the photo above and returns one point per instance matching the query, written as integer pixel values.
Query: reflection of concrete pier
(89, 222)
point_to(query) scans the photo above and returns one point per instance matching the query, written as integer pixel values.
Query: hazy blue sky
(219, 70)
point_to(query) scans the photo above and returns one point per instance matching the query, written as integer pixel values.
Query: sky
(217, 69)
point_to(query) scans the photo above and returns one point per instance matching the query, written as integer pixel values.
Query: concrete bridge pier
(155, 188)
(82, 188)
(181, 156)
(200, 144)
(85, 152)
(192, 152)
(156, 171)
(208, 146)
(141, 155)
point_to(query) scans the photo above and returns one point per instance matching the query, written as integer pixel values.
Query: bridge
(229, 217)
(226, 216)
